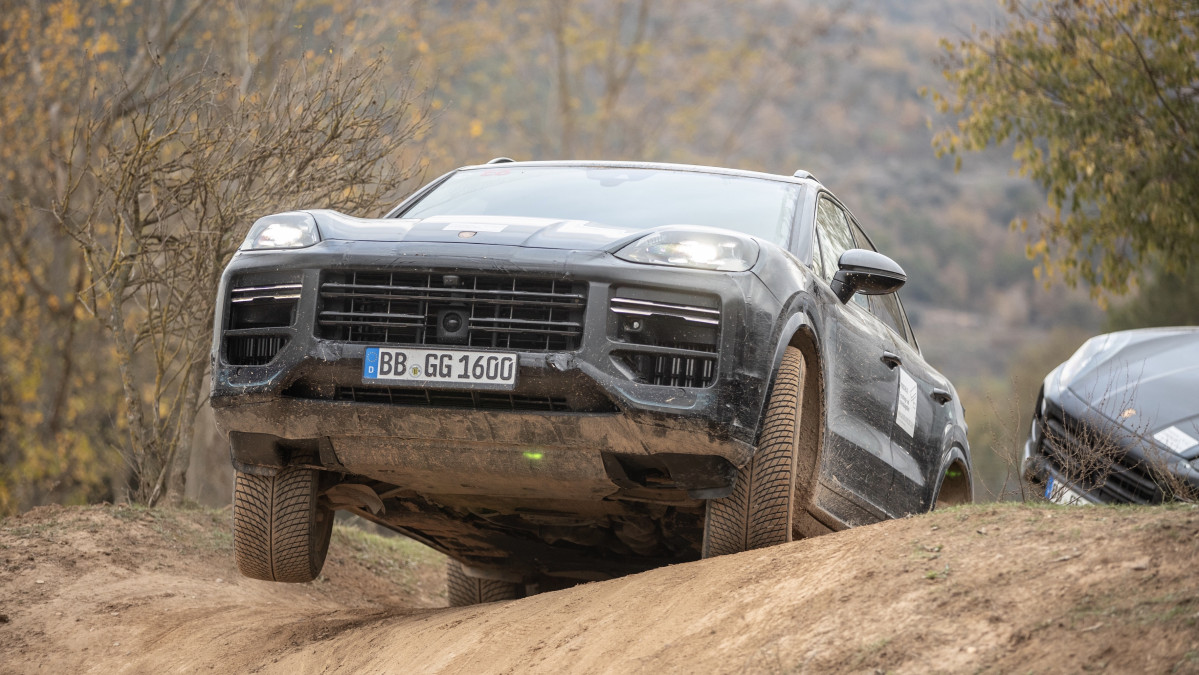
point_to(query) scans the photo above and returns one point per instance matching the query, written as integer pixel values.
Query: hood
(1146, 380)
(501, 230)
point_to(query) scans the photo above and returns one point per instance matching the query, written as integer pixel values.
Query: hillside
(983, 588)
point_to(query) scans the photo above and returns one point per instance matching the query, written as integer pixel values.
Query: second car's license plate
(441, 367)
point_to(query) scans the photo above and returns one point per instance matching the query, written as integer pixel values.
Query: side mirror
(866, 272)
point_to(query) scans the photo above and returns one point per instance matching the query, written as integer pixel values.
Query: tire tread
(758, 513)
(465, 590)
(280, 531)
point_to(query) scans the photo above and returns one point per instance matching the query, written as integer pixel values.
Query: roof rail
(805, 174)
(501, 160)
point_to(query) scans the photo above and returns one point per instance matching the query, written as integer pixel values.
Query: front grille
(670, 371)
(472, 400)
(260, 316)
(1098, 464)
(482, 311)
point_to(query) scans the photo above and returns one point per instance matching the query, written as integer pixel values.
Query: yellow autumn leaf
(103, 44)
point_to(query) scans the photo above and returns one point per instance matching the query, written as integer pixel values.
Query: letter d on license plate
(443, 368)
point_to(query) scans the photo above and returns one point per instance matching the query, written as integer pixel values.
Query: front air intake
(669, 339)
(259, 323)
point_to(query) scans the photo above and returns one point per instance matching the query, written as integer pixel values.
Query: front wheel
(759, 511)
(280, 529)
(464, 590)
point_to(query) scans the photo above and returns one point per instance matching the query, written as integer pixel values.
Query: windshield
(623, 197)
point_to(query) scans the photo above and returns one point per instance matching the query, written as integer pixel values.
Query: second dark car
(554, 371)
(1118, 423)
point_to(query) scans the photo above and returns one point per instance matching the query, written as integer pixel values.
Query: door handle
(941, 396)
(892, 360)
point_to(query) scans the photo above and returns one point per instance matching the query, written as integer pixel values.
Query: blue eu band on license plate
(443, 368)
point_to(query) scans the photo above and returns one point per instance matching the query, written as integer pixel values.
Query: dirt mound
(993, 588)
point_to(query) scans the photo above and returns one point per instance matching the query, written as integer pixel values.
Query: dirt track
(990, 588)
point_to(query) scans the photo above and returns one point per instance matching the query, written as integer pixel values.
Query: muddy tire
(465, 591)
(280, 530)
(759, 512)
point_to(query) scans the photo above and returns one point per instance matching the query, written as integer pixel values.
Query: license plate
(441, 367)
(1058, 493)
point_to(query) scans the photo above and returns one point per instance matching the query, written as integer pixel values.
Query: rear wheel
(464, 590)
(280, 530)
(759, 511)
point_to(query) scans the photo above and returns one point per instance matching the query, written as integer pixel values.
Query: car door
(920, 411)
(918, 455)
(860, 387)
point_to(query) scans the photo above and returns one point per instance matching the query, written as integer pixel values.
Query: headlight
(283, 230)
(698, 249)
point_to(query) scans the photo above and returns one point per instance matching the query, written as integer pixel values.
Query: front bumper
(571, 409)
(1072, 447)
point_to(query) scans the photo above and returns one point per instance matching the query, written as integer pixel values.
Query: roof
(661, 166)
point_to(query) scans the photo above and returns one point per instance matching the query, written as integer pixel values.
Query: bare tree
(159, 194)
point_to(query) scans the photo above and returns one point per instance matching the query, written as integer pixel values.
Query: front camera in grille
(259, 323)
(481, 311)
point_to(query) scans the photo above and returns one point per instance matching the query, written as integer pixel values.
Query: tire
(465, 591)
(759, 512)
(280, 530)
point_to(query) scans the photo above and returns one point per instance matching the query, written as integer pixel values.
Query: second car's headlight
(697, 249)
(283, 230)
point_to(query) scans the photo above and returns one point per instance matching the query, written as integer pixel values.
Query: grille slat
(631, 306)
(670, 371)
(253, 350)
(497, 312)
(437, 293)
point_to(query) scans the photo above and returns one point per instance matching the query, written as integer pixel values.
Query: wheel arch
(955, 480)
(799, 331)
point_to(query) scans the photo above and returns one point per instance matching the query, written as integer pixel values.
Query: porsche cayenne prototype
(1119, 421)
(565, 371)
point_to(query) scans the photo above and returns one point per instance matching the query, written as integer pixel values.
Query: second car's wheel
(280, 529)
(464, 590)
(759, 511)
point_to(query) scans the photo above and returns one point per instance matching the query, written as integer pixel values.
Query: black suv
(562, 371)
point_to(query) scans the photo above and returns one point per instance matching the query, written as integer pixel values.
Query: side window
(885, 307)
(835, 238)
(860, 236)
(907, 325)
(817, 263)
